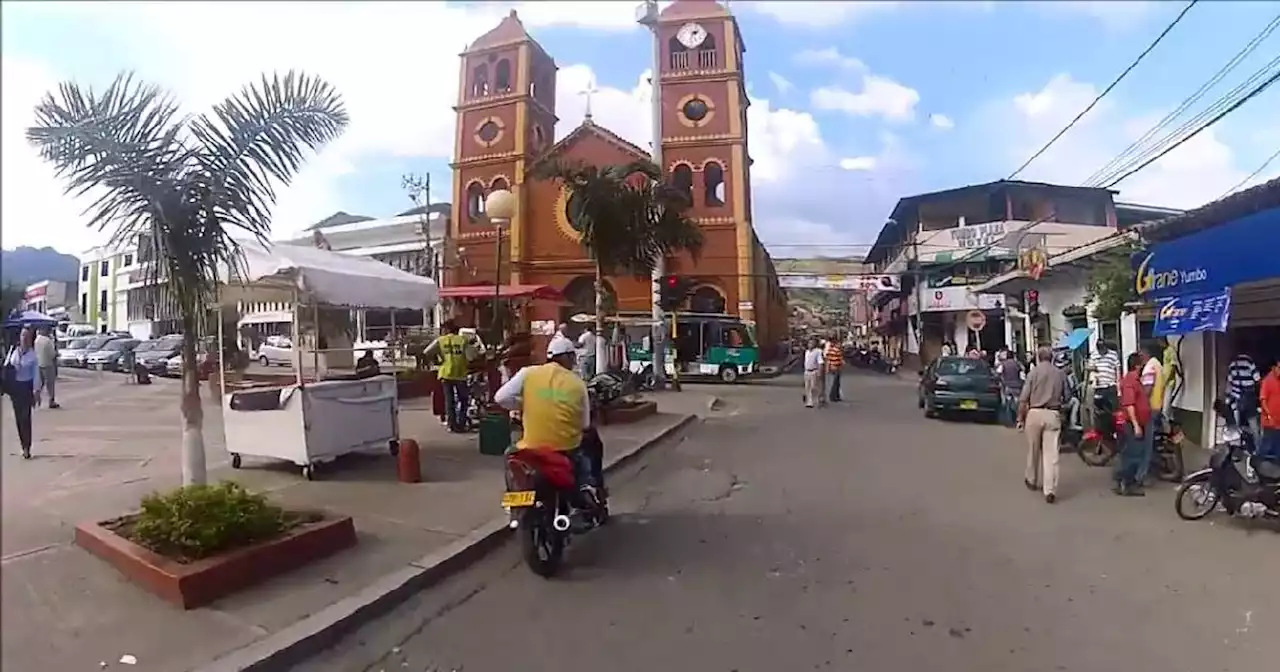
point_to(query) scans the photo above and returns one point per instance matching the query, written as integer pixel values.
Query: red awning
(535, 292)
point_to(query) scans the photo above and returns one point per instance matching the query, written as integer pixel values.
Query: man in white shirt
(47, 359)
(1105, 366)
(559, 338)
(813, 378)
(587, 353)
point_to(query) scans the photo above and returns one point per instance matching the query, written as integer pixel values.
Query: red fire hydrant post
(408, 462)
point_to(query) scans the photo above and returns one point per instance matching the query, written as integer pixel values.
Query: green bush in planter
(197, 521)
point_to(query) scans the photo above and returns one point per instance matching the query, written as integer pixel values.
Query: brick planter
(628, 413)
(200, 582)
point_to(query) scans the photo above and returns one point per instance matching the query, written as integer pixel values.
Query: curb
(300, 641)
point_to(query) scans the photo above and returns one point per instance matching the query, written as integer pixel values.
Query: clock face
(691, 35)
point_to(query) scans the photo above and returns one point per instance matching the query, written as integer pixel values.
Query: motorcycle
(1098, 449)
(1255, 493)
(546, 505)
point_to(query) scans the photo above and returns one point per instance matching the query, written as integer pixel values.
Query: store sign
(1197, 312)
(948, 299)
(841, 281)
(1242, 250)
(978, 235)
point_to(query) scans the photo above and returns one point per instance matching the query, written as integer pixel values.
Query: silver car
(77, 352)
(112, 355)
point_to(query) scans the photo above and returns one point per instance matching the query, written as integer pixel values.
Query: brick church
(506, 126)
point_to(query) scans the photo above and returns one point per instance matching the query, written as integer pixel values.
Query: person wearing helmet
(554, 406)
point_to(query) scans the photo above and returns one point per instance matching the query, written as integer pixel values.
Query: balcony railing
(702, 59)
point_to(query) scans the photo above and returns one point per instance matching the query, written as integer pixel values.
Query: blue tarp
(1074, 339)
(29, 318)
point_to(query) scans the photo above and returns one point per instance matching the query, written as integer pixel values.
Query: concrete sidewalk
(66, 610)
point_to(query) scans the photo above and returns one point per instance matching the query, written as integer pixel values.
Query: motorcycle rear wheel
(542, 548)
(1097, 452)
(1184, 499)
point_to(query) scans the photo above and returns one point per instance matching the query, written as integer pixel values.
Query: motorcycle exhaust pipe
(560, 523)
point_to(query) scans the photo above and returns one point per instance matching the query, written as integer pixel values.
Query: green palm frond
(628, 217)
(258, 138)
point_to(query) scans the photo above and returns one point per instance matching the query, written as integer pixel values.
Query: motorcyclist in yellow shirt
(555, 407)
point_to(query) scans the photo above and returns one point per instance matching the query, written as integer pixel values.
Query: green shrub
(197, 521)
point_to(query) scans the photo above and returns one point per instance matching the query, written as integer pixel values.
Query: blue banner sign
(1198, 312)
(1242, 250)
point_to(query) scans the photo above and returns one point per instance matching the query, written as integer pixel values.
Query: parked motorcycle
(1252, 494)
(1098, 449)
(546, 504)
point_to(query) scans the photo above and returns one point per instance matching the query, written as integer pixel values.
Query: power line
(1250, 96)
(1107, 90)
(1252, 175)
(1137, 146)
(1181, 134)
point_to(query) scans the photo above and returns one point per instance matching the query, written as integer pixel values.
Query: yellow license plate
(968, 405)
(515, 500)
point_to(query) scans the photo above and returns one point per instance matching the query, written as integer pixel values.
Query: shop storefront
(1216, 293)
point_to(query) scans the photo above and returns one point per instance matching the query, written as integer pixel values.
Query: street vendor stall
(325, 411)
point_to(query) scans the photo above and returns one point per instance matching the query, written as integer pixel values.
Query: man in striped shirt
(1105, 365)
(834, 357)
(1242, 383)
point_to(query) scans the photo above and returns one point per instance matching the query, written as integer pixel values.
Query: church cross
(589, 91)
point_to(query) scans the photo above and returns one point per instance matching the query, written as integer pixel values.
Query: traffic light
(673, 292)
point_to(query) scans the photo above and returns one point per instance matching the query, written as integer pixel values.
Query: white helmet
(560, 346)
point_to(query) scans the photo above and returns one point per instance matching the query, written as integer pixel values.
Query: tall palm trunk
(602, 363)
(193, 462)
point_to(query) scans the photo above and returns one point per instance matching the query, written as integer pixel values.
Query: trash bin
(495, 433)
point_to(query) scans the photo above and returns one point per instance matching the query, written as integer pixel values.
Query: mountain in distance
(27, 265)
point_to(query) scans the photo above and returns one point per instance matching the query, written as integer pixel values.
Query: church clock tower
(704, 145)
(505, 118)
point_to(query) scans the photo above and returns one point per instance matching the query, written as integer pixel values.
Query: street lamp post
(500, 207)
(647, 16)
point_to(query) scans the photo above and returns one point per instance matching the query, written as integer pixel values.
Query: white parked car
(277, 350)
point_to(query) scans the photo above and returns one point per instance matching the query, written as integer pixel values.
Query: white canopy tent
(310, 423)
(309, 275)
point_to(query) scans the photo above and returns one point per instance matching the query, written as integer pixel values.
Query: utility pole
(647, 16)
(418, 189)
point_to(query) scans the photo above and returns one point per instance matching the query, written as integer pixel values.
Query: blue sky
(855, 104)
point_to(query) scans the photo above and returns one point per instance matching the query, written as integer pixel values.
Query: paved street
(855, 537)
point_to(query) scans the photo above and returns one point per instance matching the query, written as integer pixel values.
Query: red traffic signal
(672, 281)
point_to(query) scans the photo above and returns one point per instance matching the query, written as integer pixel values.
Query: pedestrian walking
(455, 352)
(47, 359)
(22, 384)
(1152, 379)
(587, 358)
(1269, 447)
(1039, 407)
(1010, 374)
(834, 357)
(1105, 367)
(1136, 404)
(812, 374)
(1242, 383)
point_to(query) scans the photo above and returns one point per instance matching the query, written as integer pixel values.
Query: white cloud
(806, 14)
(941, 121)
(880, 97)
(1113, 14)
(782, 84)
(856, 163)
(1196, 172)
(829, 57)
(395, 64)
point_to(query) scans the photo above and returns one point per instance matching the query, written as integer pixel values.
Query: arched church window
(475, 201)
(480, 80)
(713, 184)
(682, 179)
(498, 183)
(502, 76)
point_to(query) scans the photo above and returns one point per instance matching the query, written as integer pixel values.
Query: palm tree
(174, 184)
(628, 217)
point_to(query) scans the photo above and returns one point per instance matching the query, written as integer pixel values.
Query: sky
(854, 105)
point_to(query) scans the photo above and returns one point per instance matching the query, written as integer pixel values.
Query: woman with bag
(21, 382)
